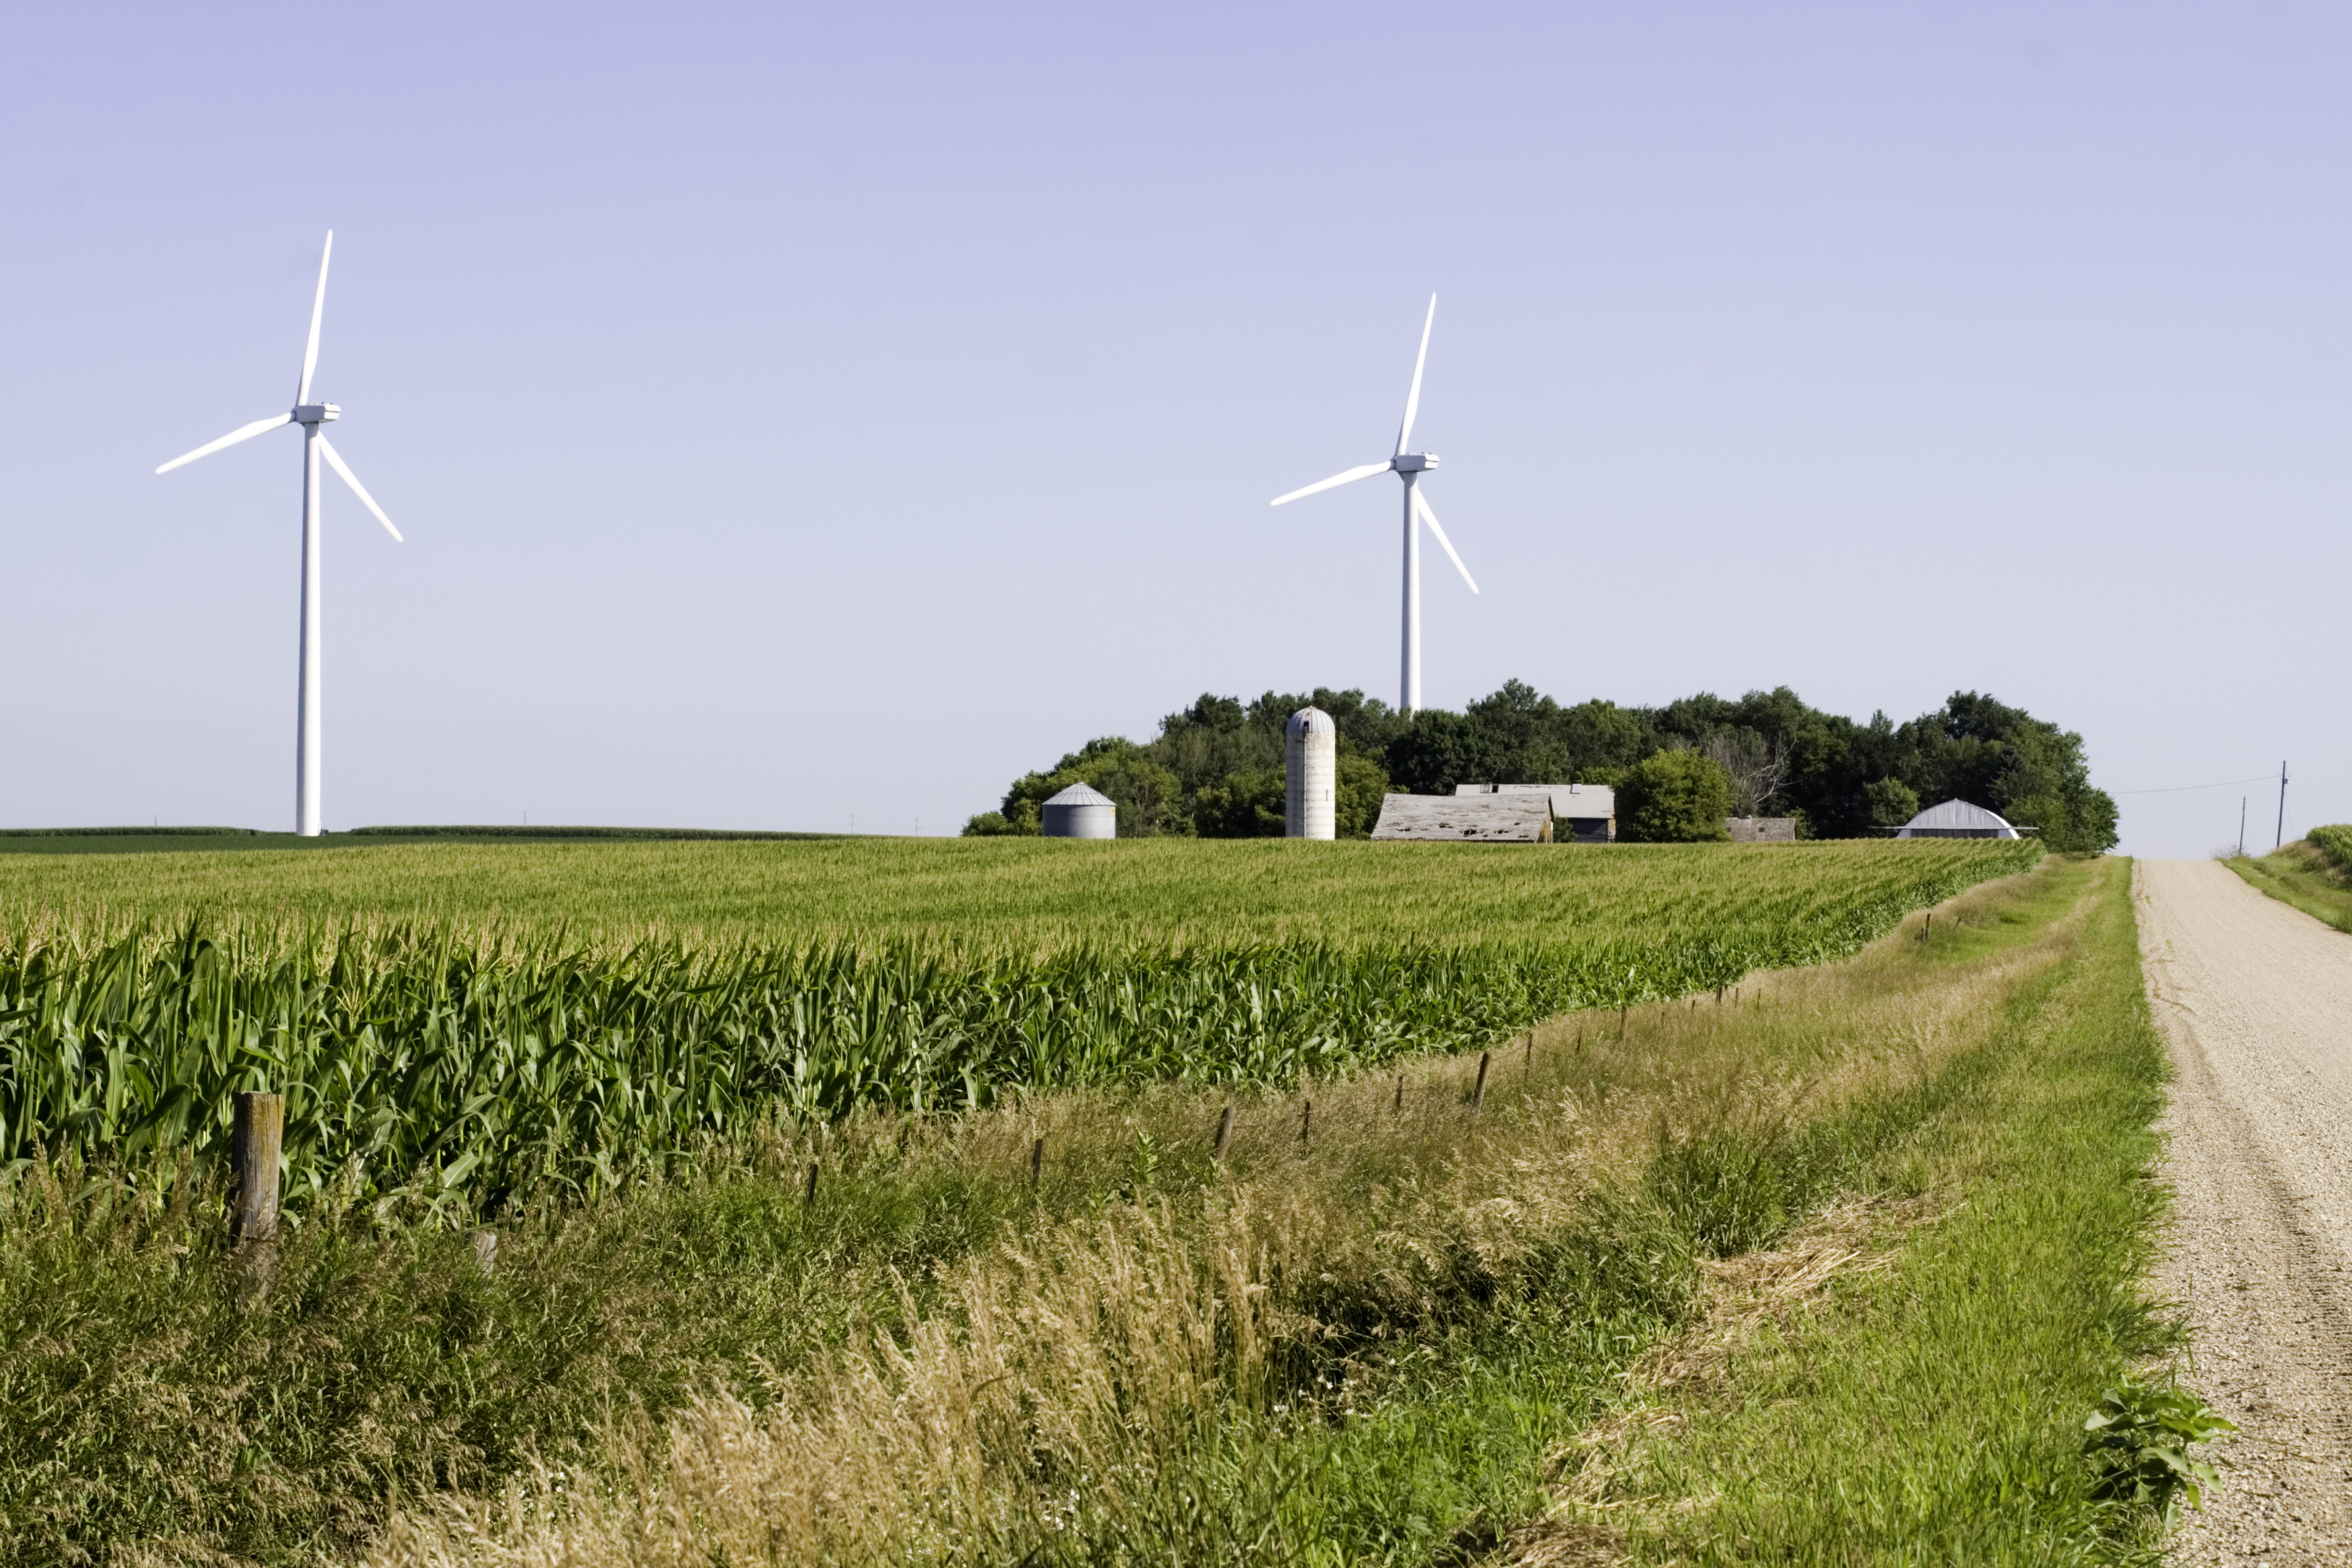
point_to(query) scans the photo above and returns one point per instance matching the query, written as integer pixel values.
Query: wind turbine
(1408, 467)
(313, 417)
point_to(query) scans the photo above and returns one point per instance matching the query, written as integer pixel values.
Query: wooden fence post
(486, 1249)
(257, 1133)
(1398, 1109)
(1478, 1095)
(808, 1196)
(1224, 1129)
(1036, 1162)
(1306, 1119)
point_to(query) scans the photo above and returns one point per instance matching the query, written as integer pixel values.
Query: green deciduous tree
(1148, 797)
(1674, 797)
(1838, 777)
(1890, 802)
(1240, 806)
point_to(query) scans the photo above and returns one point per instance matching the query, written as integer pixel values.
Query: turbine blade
(1430, 518)
(335, 460)
(318, 310)
(243, 433)
(1412, 398)
(1349, 478)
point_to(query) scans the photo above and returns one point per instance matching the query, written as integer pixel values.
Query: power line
(2180, 789)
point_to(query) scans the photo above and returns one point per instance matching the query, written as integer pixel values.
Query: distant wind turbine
(313, 417)
(1408, 467)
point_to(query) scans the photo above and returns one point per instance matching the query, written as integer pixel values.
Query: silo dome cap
(1312, 721)
(1082, 795)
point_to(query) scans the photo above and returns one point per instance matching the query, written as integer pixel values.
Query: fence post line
(1224, 1129)
(257, 1133)
(1478, 1095)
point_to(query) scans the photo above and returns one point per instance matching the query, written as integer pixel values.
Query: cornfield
(497, 1022)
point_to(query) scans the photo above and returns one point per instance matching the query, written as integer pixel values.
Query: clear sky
(807, 414)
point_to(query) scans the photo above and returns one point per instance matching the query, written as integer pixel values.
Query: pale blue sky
(796, 414)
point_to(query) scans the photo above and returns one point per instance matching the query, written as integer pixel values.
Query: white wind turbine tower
(313, 417)
(1408, 467)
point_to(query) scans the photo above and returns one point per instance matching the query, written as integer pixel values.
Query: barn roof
(1467, 818)
(1567, 800)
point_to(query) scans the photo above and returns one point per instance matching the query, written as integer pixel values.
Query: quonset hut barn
(1955, 819)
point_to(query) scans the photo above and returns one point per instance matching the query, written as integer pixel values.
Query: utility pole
(2242, 828)
(2281, 822)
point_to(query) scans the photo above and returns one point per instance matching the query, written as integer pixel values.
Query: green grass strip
(1934, 1412)
(2314, 875)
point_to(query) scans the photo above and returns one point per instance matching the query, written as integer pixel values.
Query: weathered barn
(1586, 813)
(1762, 829)
(1467, 818)
(1955, 819)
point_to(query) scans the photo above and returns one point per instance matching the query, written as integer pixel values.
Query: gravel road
(2255, 1000)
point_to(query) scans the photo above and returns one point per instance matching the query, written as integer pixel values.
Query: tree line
(1215, 768)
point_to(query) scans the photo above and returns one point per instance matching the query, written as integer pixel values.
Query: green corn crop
(494, 1059)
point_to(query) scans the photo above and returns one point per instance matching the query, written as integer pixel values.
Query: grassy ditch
(1367, 1334)
(1920, 1396)
(2314, 875)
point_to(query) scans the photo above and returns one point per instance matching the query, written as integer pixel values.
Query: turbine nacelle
(316, 413)
(1414, 462)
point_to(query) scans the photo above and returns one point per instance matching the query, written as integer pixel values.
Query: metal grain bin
(1081, 811)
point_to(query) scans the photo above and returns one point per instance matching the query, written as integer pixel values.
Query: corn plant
(494, 1061)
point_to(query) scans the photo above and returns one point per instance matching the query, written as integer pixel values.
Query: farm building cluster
(1477, 813)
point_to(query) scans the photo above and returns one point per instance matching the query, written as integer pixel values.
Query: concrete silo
(1081, 811)
(1311, 775)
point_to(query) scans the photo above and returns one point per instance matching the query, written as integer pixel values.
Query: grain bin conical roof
(1082, 795)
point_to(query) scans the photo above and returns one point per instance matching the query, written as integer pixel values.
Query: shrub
(1891, 803)
(2335, 843)
(1243, 806)
(1674, 797)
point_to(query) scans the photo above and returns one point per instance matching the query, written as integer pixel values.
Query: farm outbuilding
(1955, 819)
(1081, 811)
(1467, 818)
(1762, 829)
(1585, 813)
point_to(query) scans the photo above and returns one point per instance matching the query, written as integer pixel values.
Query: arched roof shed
(1957, 820)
